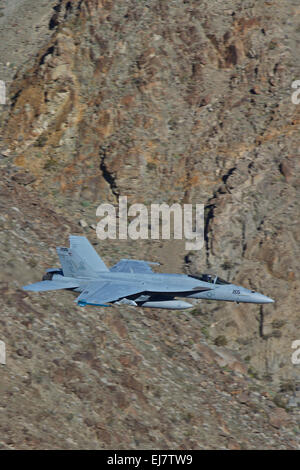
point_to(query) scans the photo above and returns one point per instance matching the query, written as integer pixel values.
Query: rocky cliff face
(183, 101)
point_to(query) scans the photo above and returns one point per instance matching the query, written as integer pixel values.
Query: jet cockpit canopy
(211, 278)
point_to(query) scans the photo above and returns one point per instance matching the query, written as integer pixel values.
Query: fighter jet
(133, 282)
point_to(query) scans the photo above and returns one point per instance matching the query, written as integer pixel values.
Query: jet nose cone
(263, 299)
(268, 300)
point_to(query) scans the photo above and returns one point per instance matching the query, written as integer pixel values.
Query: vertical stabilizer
(81, 259)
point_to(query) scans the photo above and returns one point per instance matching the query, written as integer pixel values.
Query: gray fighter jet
(133, 282)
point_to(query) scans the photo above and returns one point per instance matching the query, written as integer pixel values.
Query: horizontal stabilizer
(44, 286)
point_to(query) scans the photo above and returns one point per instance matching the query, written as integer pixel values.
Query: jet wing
(100, 293)
(132, 266)
(44, 286)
